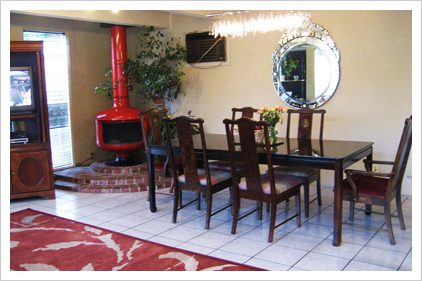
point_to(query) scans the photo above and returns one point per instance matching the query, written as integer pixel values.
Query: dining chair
(251, 184)
(203, 180)
(304, 132)
(248, 112)
(152, 133)
(376, 188)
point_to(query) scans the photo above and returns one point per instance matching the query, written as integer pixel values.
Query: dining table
(335, 155)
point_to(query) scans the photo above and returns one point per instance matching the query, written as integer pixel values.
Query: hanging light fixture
(236, 24)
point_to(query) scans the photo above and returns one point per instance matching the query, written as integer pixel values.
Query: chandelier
(237, 25)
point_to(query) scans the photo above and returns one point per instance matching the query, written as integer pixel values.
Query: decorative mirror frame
(317, 36)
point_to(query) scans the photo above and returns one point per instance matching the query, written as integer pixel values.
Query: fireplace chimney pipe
(118, 61)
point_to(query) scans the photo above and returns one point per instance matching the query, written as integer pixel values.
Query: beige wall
(373, 97)
(372, 100)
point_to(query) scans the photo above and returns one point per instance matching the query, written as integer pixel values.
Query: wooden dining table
(333, 155)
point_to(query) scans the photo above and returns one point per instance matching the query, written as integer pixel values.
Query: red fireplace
(118, 129)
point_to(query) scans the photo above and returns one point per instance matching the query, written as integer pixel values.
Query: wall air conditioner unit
(204, 47)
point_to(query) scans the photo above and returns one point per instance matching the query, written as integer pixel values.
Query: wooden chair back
(306, 116)
(402, 156)
(186, 149)
(150, 122)
(249, 151)
(248, 112)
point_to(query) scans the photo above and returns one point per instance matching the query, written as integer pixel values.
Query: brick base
(100, 178)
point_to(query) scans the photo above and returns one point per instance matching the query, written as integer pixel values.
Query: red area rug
(40, 241)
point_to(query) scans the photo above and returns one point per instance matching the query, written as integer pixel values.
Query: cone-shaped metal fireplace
(118, 129)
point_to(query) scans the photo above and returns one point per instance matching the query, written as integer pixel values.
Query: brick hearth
(100, 178)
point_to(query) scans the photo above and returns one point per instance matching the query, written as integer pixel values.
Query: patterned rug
(41, 242)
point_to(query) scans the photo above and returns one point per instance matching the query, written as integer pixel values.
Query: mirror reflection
(306, 68)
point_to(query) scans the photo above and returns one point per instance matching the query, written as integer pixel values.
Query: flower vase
(272, 134)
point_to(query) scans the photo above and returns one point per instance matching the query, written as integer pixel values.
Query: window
(57, 88)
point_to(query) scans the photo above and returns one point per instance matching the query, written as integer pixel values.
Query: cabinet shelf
(23, 116)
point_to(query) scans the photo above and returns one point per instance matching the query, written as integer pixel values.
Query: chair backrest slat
(305, 122)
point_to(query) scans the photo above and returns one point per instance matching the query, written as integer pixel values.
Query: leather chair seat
(367, 185)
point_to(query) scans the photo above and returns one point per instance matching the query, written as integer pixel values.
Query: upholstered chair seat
(282, 184)
(217, 176)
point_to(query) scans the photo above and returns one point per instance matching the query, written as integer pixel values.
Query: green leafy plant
(156, 70)
(288, 65)
(105, 88)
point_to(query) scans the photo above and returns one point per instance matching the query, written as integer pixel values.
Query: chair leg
(306, 195)
(166, 166)
(176, 203)
(231, 198)
(351, 210)
(259, 206)
(400, 212)
(298, 212)
(171, 185)
(209, 208)
(268, 207)
(198, 203)
(387, 216)
(368, 209)
(236, 207)
(180, 198)
(272, 222)
(318, 186)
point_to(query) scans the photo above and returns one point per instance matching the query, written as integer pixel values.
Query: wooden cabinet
(31, 172)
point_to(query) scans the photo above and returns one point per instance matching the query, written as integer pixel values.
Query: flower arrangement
(273, 116)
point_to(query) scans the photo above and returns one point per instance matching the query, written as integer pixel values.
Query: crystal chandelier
(236, 25)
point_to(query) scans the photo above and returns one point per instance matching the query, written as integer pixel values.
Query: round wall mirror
(306, 69)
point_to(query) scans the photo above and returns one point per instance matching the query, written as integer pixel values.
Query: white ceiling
(157, 18)
(197, 13)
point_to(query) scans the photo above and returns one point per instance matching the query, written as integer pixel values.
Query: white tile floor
(364, 247)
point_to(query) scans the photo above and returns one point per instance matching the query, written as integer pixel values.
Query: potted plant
(288, 65)
(156, 71)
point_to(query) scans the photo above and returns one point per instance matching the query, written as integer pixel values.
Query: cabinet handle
(13, 173)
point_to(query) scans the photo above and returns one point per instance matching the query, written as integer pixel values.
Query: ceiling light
(239, 25)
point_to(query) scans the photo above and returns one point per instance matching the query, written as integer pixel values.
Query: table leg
(151, 187)
(338, 204)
